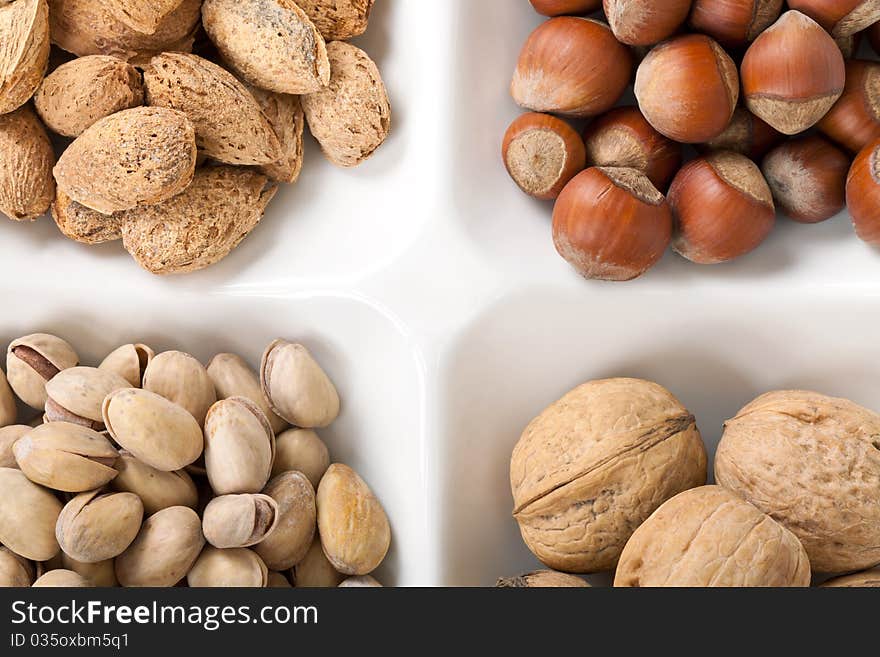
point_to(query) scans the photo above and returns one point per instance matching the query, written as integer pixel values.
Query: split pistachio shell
(164, 550)
(354, 529)
(233, 377)
(28, 514)
(14, 570)
(77, 393)
(157, 489)
(232, 521)
(239, 447)
(8, 436)
(34, 359)
(180, 378)
(288, 543)
(277, 580)
(315, 571)
(8, 412)
(296, 387)
(360, 581)
(234, 567)
(301, 450)
(66, 457)
(129, 361)
(100, 573)
(95, 526)
(63, 579)
(158, 432)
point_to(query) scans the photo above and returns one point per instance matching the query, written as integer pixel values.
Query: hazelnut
(645, 22)
(611, 224)
(542, 153)
(734, 23)
(854, 121)
(722, 207)
(863, 194)
(840, 17)
(688, 88)
(571, 66)
(807, 176)
(623, 138)
(746, 134)
(793, 73)
(565, 7)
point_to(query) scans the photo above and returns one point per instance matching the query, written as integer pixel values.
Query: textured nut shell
(164, 550)
(735, 23)
(26, 161)
(63, 579)
(140, 156)
(157, 489)
(232, 521)
(95, 526)
(66, 457)
(155, 430)
(645, 22)
(24, 51)
(271, 43)
(594, 465)
(230, 124)
(8, 436)
(338, 20)
(296, 387)
(351, 117)
(854, 121)
(542, 579)
(233, 377)
(239, 447)
(28, 384)
(14, 571)
(709, 537)
(129, 361)
(82, 224)
(100, 573)
(181, 379)
(812, 463)
(840, 17)
(862, 194)
(234, 567)
(81, 390)
(303, 451)
(315, 571)
(865, 579)
(8, 411)
(285, 115)
(28, 514)
(145, 16)
(354, 529)
(294, 531)
(200, 226)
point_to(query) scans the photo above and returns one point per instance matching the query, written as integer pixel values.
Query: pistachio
(360, 581)
(158, 432)
(63, 579)
(8, 412)
(277, 580)
(157, 489)
(28, 514)
(14, 571)
(34, 359)
(77, 393)
(296, 387)
(239, 447)
(66, 457)
(234, 567)
(315, 571)
(354, 529)
(303, 451)
(129, 361)
(232, 521)
(288, 543)
(233, 377)
(100, 573)
(8, 436)
(180, 378)
(95, 526)
(164, 550)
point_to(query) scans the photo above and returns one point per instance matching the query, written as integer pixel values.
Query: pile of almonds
(611, 478)
(154, 470)
(184, 115)
(780, 113)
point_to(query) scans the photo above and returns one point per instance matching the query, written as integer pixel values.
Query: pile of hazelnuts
(780, 114)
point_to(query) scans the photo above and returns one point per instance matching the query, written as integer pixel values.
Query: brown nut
(565, 7)
(840, 17)
(233, 521)
(863, 194)
(286, 116)
(100, 573)
(233, 377)
(296, 387)
(239, 447)
(746, 134)
(8, 436)
(145, 16)
(645, 22)
(15, 571)
(157, 489)
(63, 579)
(360, 581)
(129, 361)
(542, 579)
(733, 23)
(34, 359)
(28, 514)
(303, 451)
(77, 393)
(854, 121)
(26, 161)
(82, 224)
(180, 378)
(234, 567)
(277, 580)
(338, 20)
(96, 526)
(594, 465)
(864, 579)
(315, 571)
(25, 54)
(709, 537)
(294, 498)
(8, 410)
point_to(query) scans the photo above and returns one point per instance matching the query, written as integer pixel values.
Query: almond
(82, 224)
(286, 117)
(270, 43)
(80, 92)
(338, 20)
(145, 16)
(199, 227)
(230, 126)
(24, 51)
(26, 159)
(352, 116)
(139, 156)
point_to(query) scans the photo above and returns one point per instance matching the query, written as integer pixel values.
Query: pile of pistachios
(154, 470)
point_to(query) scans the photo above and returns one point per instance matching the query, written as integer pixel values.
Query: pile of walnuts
(184, 115)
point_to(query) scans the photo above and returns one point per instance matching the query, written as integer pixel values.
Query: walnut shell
(26, 160)
(812, 463)
(286, 117)
(710, 537)
(865, 579)
(24, 51)
(145, 16)
(83, 224)
(351, 117)
(338, 20)
(594, 465)
(79, 93)
(199, 227)
(140, 156)
(542, 579)
(230, 125)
